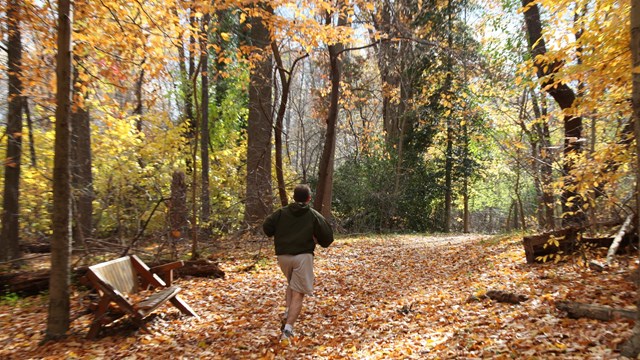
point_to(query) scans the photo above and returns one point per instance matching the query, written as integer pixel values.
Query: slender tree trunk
(32, 143)
(546, 201)
(465, 178)
(631, 348)
(565, 97)
(139, 110)
(81, 177)
(448, 167)
(191, 71)
(322, 201)
(9, 237)
(285, 81)
(220, 66)
(205, 197)
(388, 56)
(258, 196)
(284, 97)
(59, 303)
(177, 214)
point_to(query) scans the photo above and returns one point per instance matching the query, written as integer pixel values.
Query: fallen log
(195, 268)
(499, 296)
(200, 268)
(506, 297)
(36, 248)
(626, 226)
(29, 283)
(577, 310)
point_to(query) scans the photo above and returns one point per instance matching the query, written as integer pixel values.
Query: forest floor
(376, 297)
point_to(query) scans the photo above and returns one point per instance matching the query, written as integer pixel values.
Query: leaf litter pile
(377, 297)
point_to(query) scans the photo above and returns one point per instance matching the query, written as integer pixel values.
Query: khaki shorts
(299, 271)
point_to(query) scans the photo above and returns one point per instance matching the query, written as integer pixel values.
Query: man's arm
(269, 225)
(322, 231)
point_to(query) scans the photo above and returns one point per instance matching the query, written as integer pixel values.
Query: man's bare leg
(288, 298)
(285, 315)
(295, 306)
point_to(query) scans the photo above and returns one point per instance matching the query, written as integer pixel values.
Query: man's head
(302, 193)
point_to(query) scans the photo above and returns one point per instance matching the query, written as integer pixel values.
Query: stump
(534, 246)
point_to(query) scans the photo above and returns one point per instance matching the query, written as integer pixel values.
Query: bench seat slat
(157, 299)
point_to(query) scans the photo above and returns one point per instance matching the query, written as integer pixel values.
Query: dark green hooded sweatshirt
(295, 227)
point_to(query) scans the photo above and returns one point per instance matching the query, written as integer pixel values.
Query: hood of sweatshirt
(299, 209)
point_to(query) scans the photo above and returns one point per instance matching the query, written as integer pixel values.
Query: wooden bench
(119, 282)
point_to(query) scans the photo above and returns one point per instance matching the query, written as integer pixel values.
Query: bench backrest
(118, 273)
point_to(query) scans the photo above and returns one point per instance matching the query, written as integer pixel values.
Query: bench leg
(183, 306)
(96, 325)
(141, 324)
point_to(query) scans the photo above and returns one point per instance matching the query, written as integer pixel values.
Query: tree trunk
(258, 196)
(189, 81)
(284, 97)
(565, 97)
(139, 110)
(388, 55)
(545, 169)
(59, 302)
(448, 167)
(285, 82)
(205, 197)
(631, 348)
(10, 235)
(324, 191)
(81, 177)
(178, 208)
(32, 143)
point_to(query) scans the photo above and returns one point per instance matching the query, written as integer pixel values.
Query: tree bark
(618, 239)
(81, 176)
(388, 56)
(59, 302)
(205, 196)
(10, 234)
(631, 348)
(178, 223)
(565, 98)
(324, 191)
(285, 82)
(545, 171)
(258, 203)
(448, 167)
(284, 97)
(190, 77)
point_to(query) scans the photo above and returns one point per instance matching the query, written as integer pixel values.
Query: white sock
(288, 327)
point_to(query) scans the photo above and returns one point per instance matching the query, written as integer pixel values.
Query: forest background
(191, 121)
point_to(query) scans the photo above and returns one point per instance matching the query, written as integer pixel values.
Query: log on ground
(29, 283)
(499, 296)
(577, 310)
(196, 268)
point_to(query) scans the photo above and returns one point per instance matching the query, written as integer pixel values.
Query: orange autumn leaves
(376, 297)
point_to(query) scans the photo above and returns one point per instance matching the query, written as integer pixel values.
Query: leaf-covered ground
(400, 297)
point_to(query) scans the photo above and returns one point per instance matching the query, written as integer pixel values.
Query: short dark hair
(301, 193)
